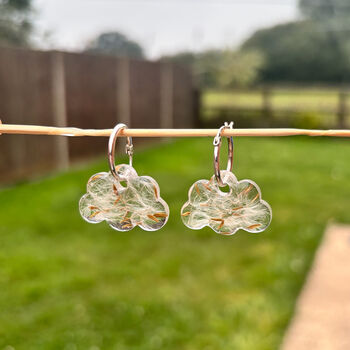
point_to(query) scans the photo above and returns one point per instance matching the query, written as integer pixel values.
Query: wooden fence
(87, 91)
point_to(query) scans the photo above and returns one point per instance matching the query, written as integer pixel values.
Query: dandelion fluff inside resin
(136, 203)
(226, 212)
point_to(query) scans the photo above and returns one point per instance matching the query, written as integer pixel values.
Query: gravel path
(322, 317)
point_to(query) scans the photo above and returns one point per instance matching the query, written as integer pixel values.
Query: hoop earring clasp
(217, 146)
(129, 148)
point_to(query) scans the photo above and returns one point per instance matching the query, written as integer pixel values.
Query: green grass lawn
(318, 103)
(67, 284)
(325, 100)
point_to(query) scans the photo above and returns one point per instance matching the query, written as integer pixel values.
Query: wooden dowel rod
(67, 131)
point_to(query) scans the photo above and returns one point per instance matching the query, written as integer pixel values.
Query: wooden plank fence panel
(183, 110)
(91, 99)
(25, 98)
(144, 94)
(86, 91)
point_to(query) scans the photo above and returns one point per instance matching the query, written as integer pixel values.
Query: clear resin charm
(133, 201)
(226, 212)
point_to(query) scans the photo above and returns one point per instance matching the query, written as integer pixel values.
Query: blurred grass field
(67, 284)
(316, 103)
(314, 99)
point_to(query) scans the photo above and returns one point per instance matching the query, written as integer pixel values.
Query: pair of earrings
(124, 199)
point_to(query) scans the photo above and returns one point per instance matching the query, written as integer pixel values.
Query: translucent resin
(133, 201)
(226, 212)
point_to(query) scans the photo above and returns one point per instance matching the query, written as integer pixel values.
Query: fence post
(267, 105)
(123, 91)
(166, 96)
(197, 105)
(342, 109)
(59, 107)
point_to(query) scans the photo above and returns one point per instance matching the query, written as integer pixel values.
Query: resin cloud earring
(225, 212)
(121, 197)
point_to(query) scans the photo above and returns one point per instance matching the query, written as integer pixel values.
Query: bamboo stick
(69, 131)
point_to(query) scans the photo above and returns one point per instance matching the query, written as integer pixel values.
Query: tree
(116, 44)
(220, 68)
(333, 16)
(315, 49)
(325, 9)
(15, 22)
(301, 51)
(239, 68)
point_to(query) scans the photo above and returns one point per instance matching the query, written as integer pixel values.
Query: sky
(160, 26)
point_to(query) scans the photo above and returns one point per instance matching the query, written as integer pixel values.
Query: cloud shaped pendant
(226, 212)
(138, 203)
